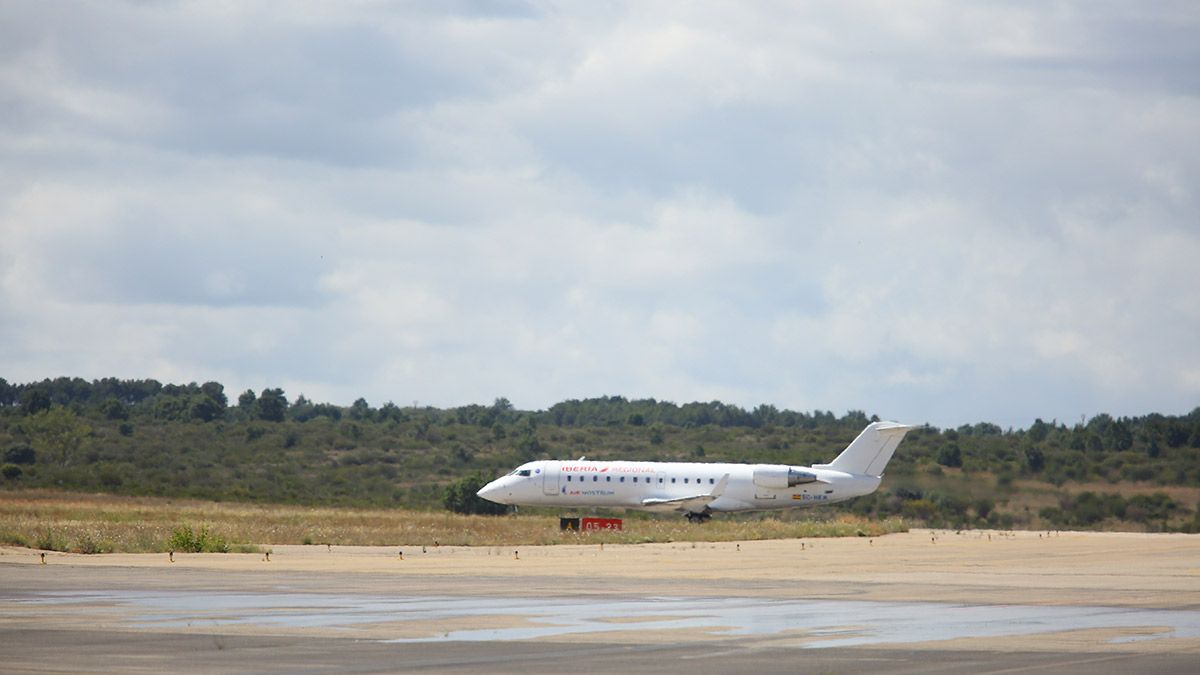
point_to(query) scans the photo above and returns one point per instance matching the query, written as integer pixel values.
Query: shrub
(950, 455)
(460, 497)
(919, 509)
(110, 477)
(13, 538)
(656, 435)
(49, 541)
(1157, 506)
(90, 546)
(1053, 515)
(20, 454)
(187, 540)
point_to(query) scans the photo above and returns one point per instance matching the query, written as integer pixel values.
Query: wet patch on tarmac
(826, 623)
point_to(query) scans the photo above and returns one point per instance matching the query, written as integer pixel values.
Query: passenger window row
(621, 479)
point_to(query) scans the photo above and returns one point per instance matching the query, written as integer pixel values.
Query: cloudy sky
(943, 212)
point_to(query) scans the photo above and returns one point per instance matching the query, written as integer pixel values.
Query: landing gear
(697, 518)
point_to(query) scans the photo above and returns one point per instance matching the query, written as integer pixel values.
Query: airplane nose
(491, 492)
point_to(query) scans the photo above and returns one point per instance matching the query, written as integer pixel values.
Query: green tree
(360, 410)
(1039, 430)
(114, 409)
(950, 455)
(204, 408)
(272, 405)
(8, 393)
(390, 411)
(59, 432)
(460, 497)
(528, 445)
(1035, 459)
(247, 401)
(765, 415)
(1176, 434)
(327, 410)
(501, 411)
(1122, 438)
(171, 407)
(34, 400)
(302, 409)
(215, 391)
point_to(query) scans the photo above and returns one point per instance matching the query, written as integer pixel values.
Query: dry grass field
(108, 524)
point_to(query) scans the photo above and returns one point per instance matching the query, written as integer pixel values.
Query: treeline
(206, 402)
(194, 440)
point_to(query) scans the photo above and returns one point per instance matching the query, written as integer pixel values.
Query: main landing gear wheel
(698, 517)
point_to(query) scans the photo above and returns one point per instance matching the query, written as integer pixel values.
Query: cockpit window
(523, 472)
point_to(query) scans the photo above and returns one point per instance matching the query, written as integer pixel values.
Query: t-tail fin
(871, 451)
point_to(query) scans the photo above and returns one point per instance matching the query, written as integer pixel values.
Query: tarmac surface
(1078, 603)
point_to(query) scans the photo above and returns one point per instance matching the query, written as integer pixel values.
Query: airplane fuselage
(699, 489)
(621, 484)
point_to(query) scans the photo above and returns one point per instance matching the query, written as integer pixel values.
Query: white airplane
(699, 490)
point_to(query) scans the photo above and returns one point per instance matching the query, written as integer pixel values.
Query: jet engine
(781, 477)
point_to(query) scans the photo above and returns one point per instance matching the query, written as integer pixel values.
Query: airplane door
(550, 475)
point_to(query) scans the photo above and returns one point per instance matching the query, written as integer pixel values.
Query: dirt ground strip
(1069, 568)
(972, 568)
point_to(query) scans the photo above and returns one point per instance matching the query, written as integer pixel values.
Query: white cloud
(939, 213)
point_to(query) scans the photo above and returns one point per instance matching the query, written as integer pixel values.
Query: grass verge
(105, 523)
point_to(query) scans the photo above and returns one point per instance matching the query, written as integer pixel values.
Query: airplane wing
(689, 504)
